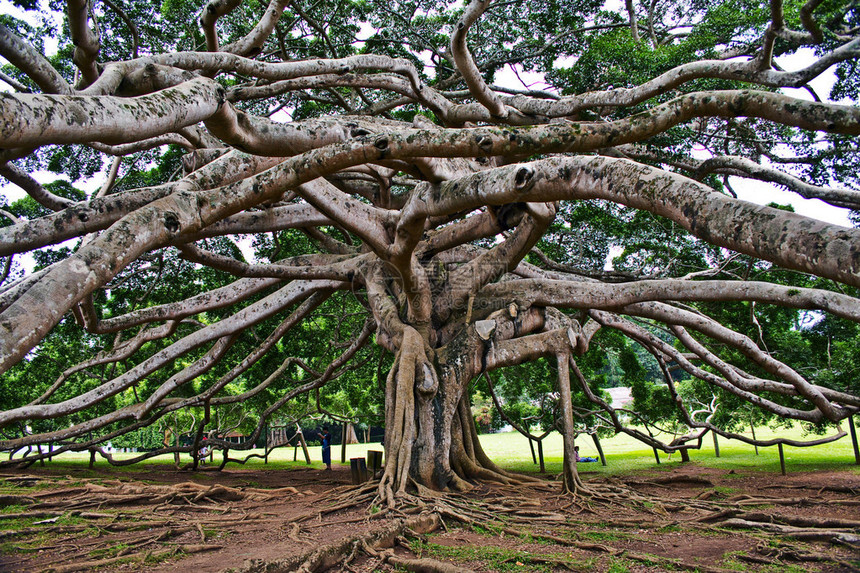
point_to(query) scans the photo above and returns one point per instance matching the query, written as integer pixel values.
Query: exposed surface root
(521, 512)
(97, 495)
(329, 556)
(341, 499)
(135, 557)
(640, 525)
(423, 565)
(105, 522)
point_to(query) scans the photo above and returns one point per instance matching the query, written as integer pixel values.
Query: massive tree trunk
(431, 438)
(430, 433)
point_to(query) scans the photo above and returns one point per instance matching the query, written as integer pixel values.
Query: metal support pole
(854, 440)
(343, 445)
(781, 459)
(540, 455)
(752, 427)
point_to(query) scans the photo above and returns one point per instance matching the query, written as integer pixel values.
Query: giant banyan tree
(440, 216)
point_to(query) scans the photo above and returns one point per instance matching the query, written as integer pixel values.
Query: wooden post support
(374, 462)
(343, 444)
(854, 440)
(358, 470)
(599, 449)
(656, 455)
(685, 454)
(781, 459)
(540, 455)
(716, 444)
(304, 448)
(92, 457)
(532, 447)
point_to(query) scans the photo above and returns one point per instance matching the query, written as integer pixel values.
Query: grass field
(625, 454)
(511, 451)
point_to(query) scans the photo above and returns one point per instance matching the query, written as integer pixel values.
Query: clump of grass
(30, 545)
(491, 529)
(618, 565)
(13, 509)
(605, 535)
(496, 558)
(669, 529)
(155, 558)
(24, 521)
(783, 568)
(726, 491)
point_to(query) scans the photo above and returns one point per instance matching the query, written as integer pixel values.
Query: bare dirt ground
(687, 518)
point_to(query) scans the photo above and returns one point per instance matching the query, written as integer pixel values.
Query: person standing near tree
(203, 451)
(325, 436)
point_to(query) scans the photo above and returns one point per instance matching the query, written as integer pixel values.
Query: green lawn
(511, 451)
(624, 453)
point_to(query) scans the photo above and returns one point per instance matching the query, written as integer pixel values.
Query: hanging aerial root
(400, 422)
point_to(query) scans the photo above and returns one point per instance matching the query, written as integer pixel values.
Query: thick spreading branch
(462, 227)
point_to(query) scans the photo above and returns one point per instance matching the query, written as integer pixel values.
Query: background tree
(395, 195)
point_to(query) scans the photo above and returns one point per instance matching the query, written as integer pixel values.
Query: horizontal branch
(743, 71)
(307, 267)
(266, 137)
(99, 213)
(788, 239)
(221, 297)
(268, 306)
(567, 294)
(744, 167)
(647, 339)
(711, 328)
(30, 120)
(273, 219)
(33, 188)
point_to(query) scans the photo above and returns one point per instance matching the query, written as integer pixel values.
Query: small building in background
(621, 397)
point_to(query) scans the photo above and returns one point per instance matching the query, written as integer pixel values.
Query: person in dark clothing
(325, 436)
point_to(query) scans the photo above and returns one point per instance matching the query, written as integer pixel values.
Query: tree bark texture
(458, 226)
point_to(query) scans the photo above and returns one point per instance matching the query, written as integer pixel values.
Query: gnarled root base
(524, 511)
